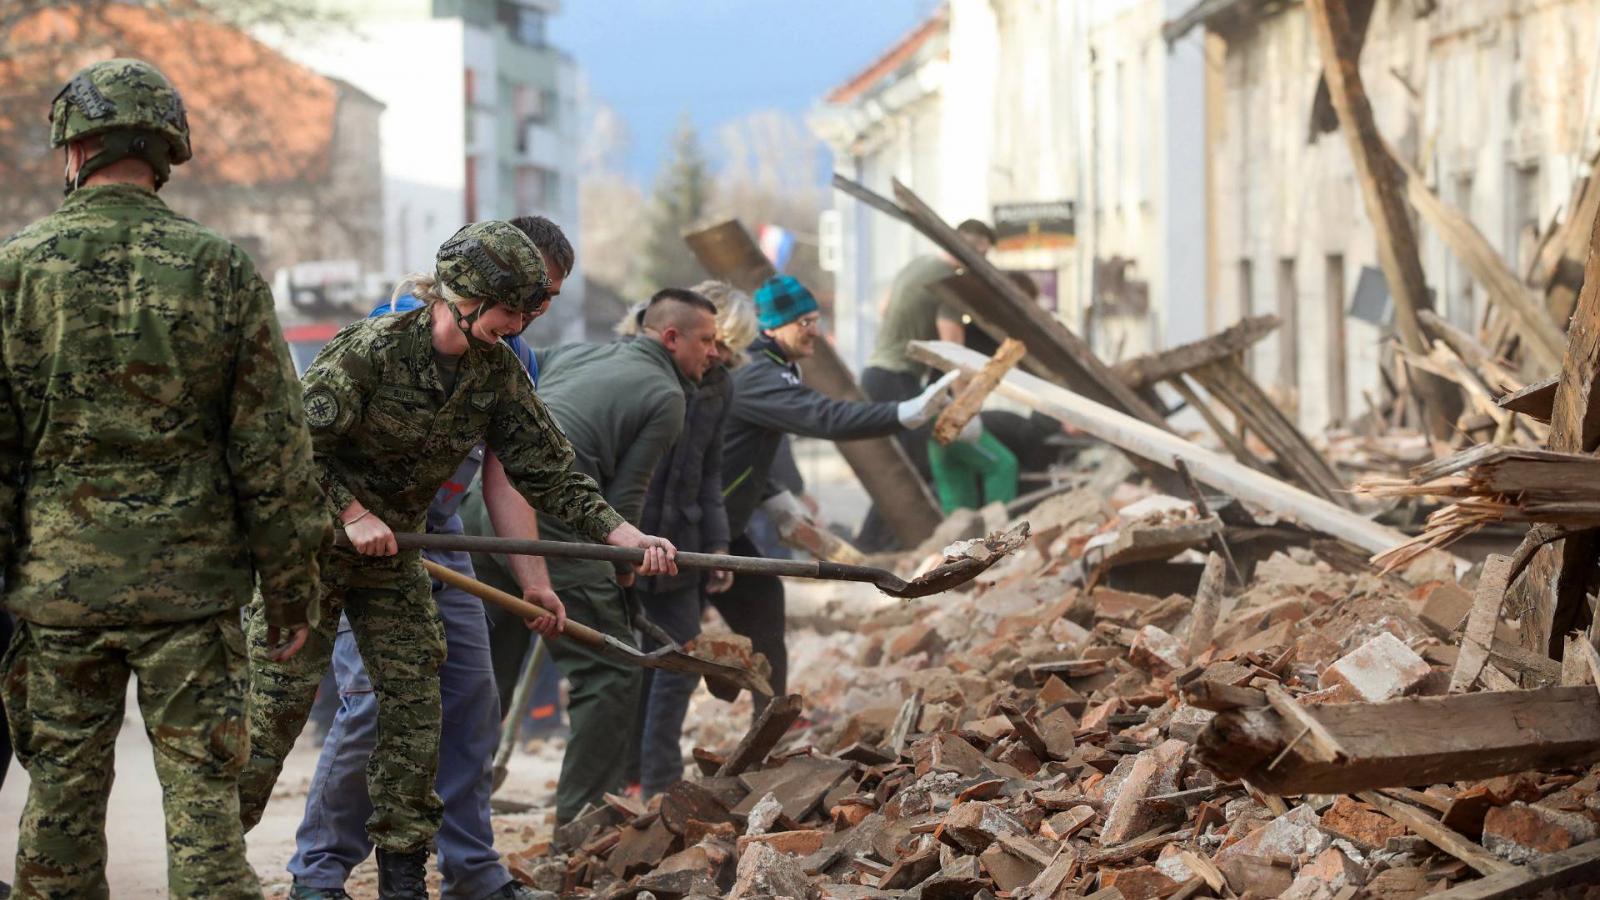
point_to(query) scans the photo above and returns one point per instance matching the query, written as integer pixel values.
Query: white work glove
(972, 432)
(916, 412)
(784, 508)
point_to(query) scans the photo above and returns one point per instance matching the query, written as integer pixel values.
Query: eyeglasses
(810, 320)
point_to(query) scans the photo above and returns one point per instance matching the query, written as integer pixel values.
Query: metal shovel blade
(963, 561)
(672, 659)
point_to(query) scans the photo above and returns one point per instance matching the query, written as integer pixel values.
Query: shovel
(668, 658)
(963, 560)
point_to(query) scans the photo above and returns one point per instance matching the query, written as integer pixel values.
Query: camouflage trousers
(401, 639)
(64, 695)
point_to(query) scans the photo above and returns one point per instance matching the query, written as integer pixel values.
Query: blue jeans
(667, 693)
(332, 838)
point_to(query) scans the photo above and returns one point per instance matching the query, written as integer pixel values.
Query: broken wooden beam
(1536, 329)
(728, 252)
(1412, 741)
(969, 399)
(1013, 313)
(1143, 371)
(1382, 188)
(1162, 446)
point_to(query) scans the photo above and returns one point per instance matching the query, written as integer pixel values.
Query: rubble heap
(1034, 739)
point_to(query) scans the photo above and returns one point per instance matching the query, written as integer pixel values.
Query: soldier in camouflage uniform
(394, 404)
(154, 464)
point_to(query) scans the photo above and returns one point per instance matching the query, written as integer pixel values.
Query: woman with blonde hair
(684, 505)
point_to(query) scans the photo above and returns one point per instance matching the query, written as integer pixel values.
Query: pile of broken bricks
(1039, 738)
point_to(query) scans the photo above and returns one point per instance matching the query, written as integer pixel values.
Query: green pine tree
(678, 203)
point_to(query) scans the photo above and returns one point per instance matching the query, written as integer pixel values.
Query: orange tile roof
(255, 117)
(892, 59)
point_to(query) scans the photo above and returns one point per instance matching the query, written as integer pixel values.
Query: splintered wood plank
(1435, 833)
(1142, 371)
(1229, 384)
(764, 735)
(1422, 740)
(1536, 401)
(1578, 865)
(1477, 641)
(968, 401)
(1161, 446)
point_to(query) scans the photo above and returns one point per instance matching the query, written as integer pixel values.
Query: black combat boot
(403, 876)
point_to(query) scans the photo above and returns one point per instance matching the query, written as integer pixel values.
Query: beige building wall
(1489, 98)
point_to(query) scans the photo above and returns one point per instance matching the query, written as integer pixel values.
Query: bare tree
(263, 128)
(772, 174)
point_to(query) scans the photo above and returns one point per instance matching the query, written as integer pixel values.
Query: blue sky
(652, 60)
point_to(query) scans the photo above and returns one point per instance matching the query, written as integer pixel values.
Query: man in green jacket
(621, 406)
(154, 465)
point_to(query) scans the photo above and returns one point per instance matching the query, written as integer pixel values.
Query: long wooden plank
(1381, 188)
(1408, 742)
(728, 252)
(1538, 331)
(1158, 445)
(1571, 867)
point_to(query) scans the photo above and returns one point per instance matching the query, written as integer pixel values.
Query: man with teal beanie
(769, 401)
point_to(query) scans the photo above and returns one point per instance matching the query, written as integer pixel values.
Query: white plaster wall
(1473, 91)
(422, 146)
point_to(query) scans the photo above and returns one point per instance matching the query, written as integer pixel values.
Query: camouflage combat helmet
(496, 263)
(131, 107)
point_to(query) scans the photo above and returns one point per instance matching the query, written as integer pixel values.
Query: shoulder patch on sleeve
(322, 408)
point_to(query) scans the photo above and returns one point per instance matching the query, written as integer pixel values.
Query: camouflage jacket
(154, 459)
(386, 434)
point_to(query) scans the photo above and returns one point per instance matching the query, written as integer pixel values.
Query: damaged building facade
(1487, 100)
(1160, 126)
(1071, 125)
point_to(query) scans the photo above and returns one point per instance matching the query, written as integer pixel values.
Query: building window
(1333, 307)
(1522, 215)
(538, 188)
(472, 190)
(470, 83)
(1247, 303)
(1462, 304)
(1289, 329)
(524, 23)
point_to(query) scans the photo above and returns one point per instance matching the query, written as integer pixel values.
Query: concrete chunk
(1381, 669)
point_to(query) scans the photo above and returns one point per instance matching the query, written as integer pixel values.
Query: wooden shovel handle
(517, 606)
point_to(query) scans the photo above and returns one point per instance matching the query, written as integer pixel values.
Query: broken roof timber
(1145, 440)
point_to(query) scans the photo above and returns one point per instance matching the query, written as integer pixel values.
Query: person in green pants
(972, 471)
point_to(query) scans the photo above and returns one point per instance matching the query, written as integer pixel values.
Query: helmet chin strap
(464, 323)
